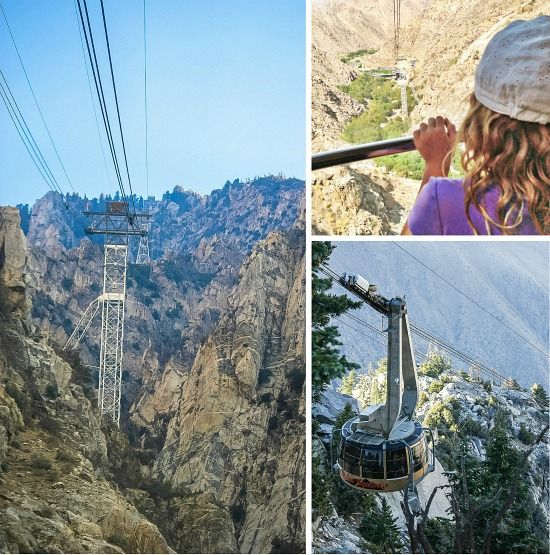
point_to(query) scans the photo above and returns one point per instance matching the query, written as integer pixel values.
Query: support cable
(90, 47)
(24, 141)
(92, 99)
(145, 101)
(27, 137)
(116, 102)
(35, 100)
(471, 299)
(429, 337)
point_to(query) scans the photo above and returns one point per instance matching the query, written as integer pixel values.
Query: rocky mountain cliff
(212, 447)
(440, 45)
(56, 494)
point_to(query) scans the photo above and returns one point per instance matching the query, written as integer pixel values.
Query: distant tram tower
(116, 224)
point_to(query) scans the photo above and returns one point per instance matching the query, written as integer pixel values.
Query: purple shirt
(439, 210)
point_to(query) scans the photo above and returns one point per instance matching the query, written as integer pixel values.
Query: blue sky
(226, 93)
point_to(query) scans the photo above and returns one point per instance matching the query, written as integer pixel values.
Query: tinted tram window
(351, 456)
(372, 463)
(419, 455)
(396, 463)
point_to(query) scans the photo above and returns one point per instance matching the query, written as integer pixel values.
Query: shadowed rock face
(53, 453)
(13, 258)
(236, 438)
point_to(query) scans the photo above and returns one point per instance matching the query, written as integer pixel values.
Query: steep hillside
(53, 449)
(235, 434)
(198, 245)
(508, 279)
(213, 366)
(447, 42)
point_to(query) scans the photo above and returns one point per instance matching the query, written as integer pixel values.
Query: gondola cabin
(368, 461)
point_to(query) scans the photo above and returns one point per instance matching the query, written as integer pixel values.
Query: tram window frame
(368, 466)
(391, 471)
(350, 461)
(419, 459)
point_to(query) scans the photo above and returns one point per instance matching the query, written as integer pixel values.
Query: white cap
(513, 76)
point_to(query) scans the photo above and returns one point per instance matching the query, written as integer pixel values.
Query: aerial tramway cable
(90, 47)
(107, 174)
(35, 99)
(27, 137)
(116, 102)
(145, 100)
(470, 299)
(428, 336)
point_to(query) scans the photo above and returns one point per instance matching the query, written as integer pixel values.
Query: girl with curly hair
(506, 136)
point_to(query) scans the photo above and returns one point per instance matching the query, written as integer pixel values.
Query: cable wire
(27, 137)
(116, 101)
(430, 338)
(92, 99)
(145, 101)
(471, 299)
(35, 99)
(90, 47)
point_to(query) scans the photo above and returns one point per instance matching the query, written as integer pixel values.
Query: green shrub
(434, 366)
(40, 462)
(52, 391)
(473, 427)
(49, 424)
(351, 55)
(440, 416)
(422, 398)
(408, 164)
(435, 387)
(66, 457)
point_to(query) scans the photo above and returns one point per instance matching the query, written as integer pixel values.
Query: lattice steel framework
(143, 247)
(117, 223)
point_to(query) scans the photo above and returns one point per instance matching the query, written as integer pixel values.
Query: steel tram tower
(117, 224)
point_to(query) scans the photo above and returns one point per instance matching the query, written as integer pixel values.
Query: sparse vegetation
(540, 395)
(525, 435)
(382, 98)
(67, 283)
(40, 462)
(358, 53)
(434, 365)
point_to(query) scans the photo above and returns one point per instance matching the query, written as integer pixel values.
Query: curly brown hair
(512, 154)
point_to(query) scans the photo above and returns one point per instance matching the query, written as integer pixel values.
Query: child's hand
(434, 141)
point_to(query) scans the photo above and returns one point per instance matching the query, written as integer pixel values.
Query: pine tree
(321, 484)
(379, 529)
(327, 362)
(348, 382)
(540, 395)
(346, 500)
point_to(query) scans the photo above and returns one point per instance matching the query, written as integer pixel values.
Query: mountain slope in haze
(508, 279)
